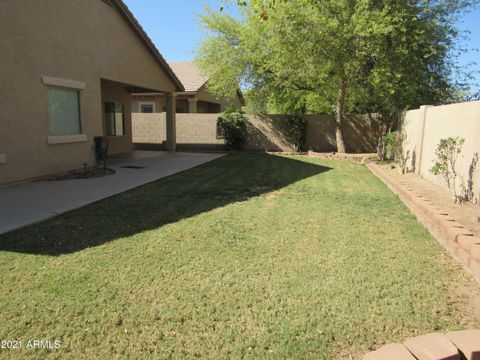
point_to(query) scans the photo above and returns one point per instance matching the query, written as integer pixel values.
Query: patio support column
(171, 122)
(192, 105)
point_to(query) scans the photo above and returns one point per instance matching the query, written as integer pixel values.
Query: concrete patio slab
(28, 203)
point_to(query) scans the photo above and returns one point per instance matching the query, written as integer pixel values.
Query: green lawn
(249, 256)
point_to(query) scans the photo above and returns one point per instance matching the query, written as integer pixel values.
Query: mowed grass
(249, 256)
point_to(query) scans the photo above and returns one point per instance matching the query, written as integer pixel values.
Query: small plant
(388, 145)
(294, 128)
(445, 164)
(393, 149)
(233, 127)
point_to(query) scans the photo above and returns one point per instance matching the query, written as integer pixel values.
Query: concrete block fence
(199, 131)
(191, 129)
(458, 345)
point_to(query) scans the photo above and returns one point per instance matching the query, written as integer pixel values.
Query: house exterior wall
(158, 100)
(80, 40)
(181, 104)
(204, 98)
(204, 95)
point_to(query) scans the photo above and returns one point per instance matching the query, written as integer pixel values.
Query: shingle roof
(189, 74)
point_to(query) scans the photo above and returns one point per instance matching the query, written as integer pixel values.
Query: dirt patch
(468, 290)
(464, 294)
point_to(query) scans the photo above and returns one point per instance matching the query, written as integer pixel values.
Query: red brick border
(460, 241)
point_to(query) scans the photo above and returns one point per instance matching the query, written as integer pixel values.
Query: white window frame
(154, 105)
(69, 84)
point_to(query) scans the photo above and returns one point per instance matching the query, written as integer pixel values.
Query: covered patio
(117, 115)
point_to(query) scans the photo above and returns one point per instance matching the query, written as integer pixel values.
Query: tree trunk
(339, 115)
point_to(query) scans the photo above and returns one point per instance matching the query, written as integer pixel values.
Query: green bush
(232, 126)
(294, 128)
(390, 143)
(393, 150)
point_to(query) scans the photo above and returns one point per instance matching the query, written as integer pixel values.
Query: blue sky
(174, 27)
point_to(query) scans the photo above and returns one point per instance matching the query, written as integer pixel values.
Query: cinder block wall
(199, 130)
(149, 128)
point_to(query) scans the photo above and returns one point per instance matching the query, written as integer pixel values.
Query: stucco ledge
(67, 139)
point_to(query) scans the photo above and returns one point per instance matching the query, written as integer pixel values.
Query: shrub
(445, 164)
(232, 125)
(389, 142)
(294, 128)
(393, 145)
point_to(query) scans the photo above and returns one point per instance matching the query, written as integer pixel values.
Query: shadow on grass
(234, 178)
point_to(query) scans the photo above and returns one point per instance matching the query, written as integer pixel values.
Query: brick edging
(461, 242)
(359, 158)
(453, 346)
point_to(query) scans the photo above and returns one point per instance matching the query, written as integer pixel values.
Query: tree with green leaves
(336, 55)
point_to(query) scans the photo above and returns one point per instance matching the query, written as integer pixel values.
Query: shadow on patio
(233, 178)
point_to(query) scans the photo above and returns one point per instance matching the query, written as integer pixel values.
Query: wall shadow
(234, 178)
(263, 134)
(470, 191)
(413, 164)
(360, 133)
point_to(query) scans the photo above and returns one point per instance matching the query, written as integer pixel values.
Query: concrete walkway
(28, 203)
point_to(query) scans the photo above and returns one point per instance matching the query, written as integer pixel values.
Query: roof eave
(136, 25)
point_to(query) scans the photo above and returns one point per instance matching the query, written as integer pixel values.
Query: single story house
(195, 99)
(68, 71)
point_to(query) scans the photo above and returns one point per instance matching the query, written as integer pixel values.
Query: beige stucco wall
(81, 40)
(455, 120)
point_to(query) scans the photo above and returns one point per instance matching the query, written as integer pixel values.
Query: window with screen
(64, 111)
(147, 107)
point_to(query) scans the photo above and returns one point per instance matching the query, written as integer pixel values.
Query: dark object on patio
(101, 150)
(132, 167)
(85, 173)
